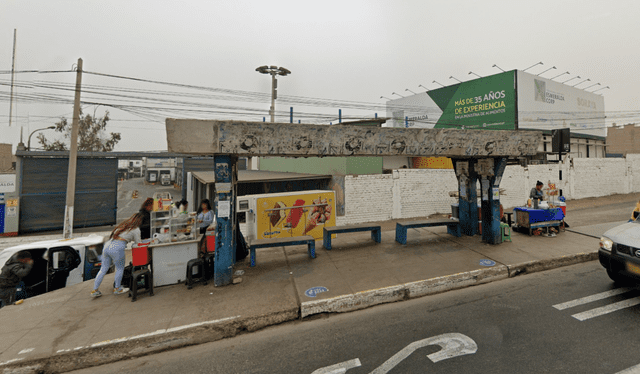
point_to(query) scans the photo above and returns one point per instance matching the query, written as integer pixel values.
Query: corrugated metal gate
(43, 189)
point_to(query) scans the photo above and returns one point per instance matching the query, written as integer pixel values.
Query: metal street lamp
(578, 77)
(410, 91)
(600, 89)
(273, 71)
(393, 93)
(423, 87)
(559, 75)
(496, 66)
(553, 67)
(34, 131)
(438, 83)
(452, 77)
(475, 74)
(586, 80)
(384, 97)
(539, 63)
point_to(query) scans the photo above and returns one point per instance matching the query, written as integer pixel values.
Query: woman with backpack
(127, 231)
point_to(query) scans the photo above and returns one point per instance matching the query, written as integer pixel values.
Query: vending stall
(175, 242)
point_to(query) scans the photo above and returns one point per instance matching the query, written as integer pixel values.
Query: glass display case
(169, 226)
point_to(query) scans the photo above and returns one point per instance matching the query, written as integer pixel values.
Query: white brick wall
(599, 177)
(367, 198)
(426, 191)
(421, 192)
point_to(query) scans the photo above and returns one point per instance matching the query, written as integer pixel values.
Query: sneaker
(96, 293)
(120, 291)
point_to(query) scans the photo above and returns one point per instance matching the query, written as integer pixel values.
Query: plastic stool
(143, 274)
(505, 231)
(200, 276)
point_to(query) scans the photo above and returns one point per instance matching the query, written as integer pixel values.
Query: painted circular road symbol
(313, 291)
(487, 262)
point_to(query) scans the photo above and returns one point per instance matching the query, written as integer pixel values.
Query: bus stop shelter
(477, 155)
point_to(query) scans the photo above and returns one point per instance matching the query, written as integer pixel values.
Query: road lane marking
(592, 298)
(606, 309)
(452, 345)
(25, 351)
(340, 368)
(631, 370)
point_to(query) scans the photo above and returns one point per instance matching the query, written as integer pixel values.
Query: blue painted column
(491, 171)
(225, 177)
(467, 196)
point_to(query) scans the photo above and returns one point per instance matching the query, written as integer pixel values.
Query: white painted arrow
(340, 368)
(453, 345)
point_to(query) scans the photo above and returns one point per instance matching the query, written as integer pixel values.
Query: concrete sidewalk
(66, 329)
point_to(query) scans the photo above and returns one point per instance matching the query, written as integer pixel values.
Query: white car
(57, 263)
(620, 252)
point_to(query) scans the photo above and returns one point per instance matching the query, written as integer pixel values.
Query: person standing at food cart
(17, 267)
(536, 192)
(205, 216)
(127, 231)
(145, 210)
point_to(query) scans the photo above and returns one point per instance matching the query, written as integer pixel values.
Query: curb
(114, 350)
(542, 265)
(406, 291)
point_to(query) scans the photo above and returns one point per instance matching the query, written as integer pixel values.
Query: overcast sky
(341, 50)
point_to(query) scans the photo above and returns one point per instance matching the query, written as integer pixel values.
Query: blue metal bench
(401, 228)
(376, 233)
(307, 240)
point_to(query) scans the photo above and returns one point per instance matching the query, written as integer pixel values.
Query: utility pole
(13, 66)
(73, 158)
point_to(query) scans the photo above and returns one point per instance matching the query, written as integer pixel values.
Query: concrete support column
(225, 177)
(490, 172)
(467, 197)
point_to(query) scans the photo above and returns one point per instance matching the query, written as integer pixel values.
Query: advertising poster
(545, 104)
(485, 103)
(295, 215)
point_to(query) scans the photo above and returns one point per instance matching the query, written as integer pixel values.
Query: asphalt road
(511, 325)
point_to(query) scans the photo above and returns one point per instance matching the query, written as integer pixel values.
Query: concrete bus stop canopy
(213, 137)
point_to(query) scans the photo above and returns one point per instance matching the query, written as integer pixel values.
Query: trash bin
(562, 206)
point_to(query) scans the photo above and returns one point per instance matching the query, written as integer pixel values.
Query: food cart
(549, 214)
(531, 219)
(175, 242)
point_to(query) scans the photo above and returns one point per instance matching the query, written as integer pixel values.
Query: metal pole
(73, 158)
(290, 114)
(339, 115)
(13, 65)
(273, 96)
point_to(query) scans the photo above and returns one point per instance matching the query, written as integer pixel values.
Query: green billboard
(484, 103)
